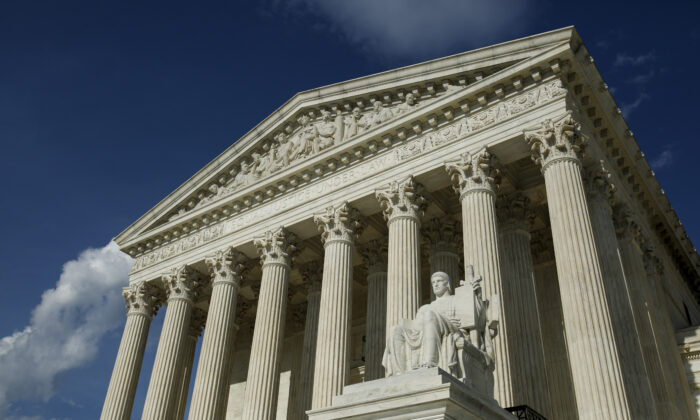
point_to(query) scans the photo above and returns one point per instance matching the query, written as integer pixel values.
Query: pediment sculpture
(454, 332)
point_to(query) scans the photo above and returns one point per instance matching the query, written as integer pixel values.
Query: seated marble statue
(454, 332)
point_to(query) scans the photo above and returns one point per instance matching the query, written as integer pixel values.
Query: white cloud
(624, 59)
(665, 158)
(642, 79)
(628, 108)
(414, 28)
(66, 327)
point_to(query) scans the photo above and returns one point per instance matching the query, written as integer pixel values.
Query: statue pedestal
(429, 393)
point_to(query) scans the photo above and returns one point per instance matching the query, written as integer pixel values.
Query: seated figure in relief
(454, 332)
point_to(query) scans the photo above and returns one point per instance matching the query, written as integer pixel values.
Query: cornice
(462, 65)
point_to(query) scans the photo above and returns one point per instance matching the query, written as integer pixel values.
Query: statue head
(440, 282)
(410, 98)
(377, 105)
(356, 112)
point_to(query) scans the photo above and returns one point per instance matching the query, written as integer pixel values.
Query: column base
(429, 393)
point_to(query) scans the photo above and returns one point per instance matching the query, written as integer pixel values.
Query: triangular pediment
(332, 118)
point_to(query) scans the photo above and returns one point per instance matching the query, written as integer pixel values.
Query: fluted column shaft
(186, 368)
(558, 368)
(163, 390)
(637, 386)
(210, 393)
(403, 205)
(339, 226)
(595, 363)
(262, 386)
(374, 254)
(635, 278)
(665, 339)
(304, 394)
(444, 239)
(476, 181)
(141, 304)
(529, 381)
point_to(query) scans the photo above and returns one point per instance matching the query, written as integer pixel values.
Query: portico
(311, 236)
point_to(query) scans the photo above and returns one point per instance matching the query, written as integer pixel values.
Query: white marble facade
(289, 258)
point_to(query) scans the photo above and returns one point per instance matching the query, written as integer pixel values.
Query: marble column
(631, 244)
(476, 181)
(339, 226)
(403, 204)
(443, 237)
(210, 393)
(260, 401)
(142, 301)
(312, 272)
(600, 198)
(375, 255)
(197, 321)
(665, 338)
(527, 365)
(557, 147)
(561, 387)
(163, 389)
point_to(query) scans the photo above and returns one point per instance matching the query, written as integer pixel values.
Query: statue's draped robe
(428, 340)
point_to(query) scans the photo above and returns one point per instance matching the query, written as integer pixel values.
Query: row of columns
(616, 372)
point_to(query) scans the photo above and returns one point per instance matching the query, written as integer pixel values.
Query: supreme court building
(292, 254)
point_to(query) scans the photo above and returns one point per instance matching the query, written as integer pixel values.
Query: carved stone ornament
(312, 273)
(514, 212)
(142, 298)
(276, 247)
(375, 254)
(652, 263)
(474, 172)
(443, 234)
(227, 266)
(627, 227)
(599, 186)
(197, 321)
(340, 223)
(180, 284)
(402, 199)
(556, 140)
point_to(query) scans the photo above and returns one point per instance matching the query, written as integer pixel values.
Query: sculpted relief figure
(326, 130)
(454, 332)
(355, 124)
(408, 105)
(380, 114)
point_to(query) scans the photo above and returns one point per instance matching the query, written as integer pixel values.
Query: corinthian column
(374, 254)
(600, 394)
(142, 301)
(197, 321)
(339, 227)
(262, 386)
(210, 393)
(443, 236)
(637, 387)
(527, 364)
(312, 273)
(403, 204)
(163, 389)
(631, 243)
(476, 181)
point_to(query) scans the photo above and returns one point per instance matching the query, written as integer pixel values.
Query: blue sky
(105, 108)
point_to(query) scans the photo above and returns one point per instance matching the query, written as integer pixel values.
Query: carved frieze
(457, 129)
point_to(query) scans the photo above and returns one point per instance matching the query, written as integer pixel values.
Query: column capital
(402, 199)
(598, 183)
(375, 254)
(556, 139)
(514, 212)
(312, 273)
(180, 283)
(443, 234)
(276, 247)
(474, 172)
(197, 321)
(227, 266)
(142, 299)
(339, 223)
